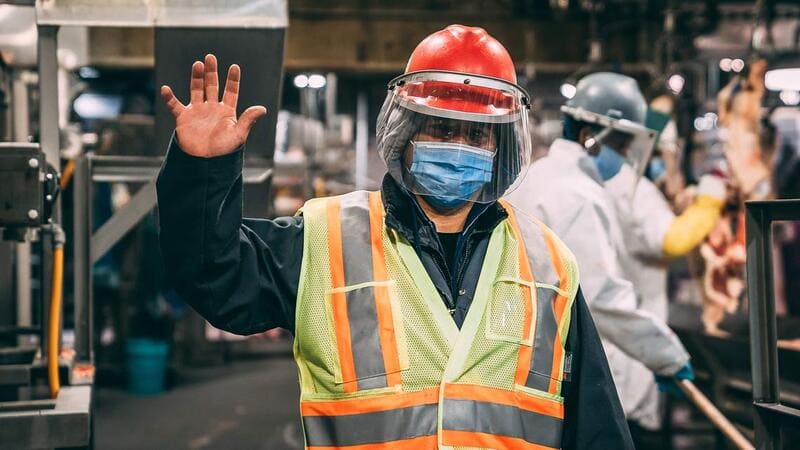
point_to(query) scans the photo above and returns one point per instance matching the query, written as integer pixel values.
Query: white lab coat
(564, 190)
(645, 217)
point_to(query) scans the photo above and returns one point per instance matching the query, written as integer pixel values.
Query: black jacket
(242, 275)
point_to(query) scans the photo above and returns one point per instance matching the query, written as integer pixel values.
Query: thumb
(249, 117)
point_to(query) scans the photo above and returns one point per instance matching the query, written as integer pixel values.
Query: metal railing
(770, 417)
(90, 246)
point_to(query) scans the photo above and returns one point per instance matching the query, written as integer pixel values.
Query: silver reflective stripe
(370, 428)
(536, 248)
(361, 312)
(502, 420)
(367, 355)
(546, 329)
(356, 244)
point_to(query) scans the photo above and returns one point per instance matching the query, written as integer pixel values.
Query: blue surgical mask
(656, 168)
(608, 162)
(449, 174)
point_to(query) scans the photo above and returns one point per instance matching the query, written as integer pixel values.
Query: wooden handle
(714, 414)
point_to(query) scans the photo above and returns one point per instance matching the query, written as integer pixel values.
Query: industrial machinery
(41, 387)
(44, 385)
(46, 351)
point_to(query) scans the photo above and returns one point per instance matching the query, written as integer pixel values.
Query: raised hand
(207, 127)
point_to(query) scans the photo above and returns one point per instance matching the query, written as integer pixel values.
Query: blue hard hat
(610, 94)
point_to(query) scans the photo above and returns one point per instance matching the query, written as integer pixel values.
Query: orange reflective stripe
(452, 438)
(383, 306)
(339, 299)
(418, 443)
(558, 263)
(558, 307)
(525, 351)
(368, 404)
(558, 356)
(511, 398)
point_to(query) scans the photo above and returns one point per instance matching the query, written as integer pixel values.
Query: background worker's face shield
(638, 143)
(454, 137)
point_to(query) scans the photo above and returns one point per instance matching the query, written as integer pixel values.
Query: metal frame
(62, 422)
(770, 417)
(47, 55)
(21, 131)
(90, 246)
(66, 420)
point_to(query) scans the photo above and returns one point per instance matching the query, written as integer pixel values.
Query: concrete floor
(243, 405)
(253, 404)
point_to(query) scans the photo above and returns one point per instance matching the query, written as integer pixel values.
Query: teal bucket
(147, 365)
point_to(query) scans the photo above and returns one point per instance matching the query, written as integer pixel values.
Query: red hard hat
(459, 83)
(463, 49)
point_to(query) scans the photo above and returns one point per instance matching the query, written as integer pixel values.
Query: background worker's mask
(608, 162)
(449, 174)
(656, 168)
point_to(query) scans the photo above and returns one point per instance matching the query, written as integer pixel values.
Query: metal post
(46, 286)
(20, 106)
(82, 233)
(21, 133)
(763, 336)
(23, 283)
(330, 97)
(713, 80)
(362, 140)
(47, 47)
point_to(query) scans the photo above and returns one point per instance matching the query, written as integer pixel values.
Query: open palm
(207, 127)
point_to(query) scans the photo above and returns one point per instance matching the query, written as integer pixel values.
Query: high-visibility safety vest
(382, 363)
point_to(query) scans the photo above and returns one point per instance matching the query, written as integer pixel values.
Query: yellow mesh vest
(381, 362)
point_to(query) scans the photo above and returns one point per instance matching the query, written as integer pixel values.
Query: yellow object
(53, 329)
(382, 363)
(690, 228)
(66, 176)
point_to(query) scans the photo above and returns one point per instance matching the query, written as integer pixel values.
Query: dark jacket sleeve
(593, 414)
(240, 274)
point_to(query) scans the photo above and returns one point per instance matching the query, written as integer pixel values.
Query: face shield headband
(455, 113)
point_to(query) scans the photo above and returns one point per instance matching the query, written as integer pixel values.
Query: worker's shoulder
(548, 236)
(350, 199)
(561, 257)
(557, 244)
(551, 180)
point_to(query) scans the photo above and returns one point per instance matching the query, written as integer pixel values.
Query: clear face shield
(640, 139)
(454, 138)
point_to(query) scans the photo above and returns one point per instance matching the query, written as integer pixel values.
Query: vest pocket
(547, 350)
(510, 308)
(369, 336)
(525, 391)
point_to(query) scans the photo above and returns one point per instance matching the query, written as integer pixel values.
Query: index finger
(231, 95)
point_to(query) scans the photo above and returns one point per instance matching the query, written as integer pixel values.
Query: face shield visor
(639, 142)
(454, 138)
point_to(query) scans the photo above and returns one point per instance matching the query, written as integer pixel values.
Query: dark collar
(404, 214)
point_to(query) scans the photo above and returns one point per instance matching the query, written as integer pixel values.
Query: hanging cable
(54, 322)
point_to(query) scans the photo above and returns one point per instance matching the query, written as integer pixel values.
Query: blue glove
(670, 386)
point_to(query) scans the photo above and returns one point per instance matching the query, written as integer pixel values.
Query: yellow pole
(714, 415)
(53, 329)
